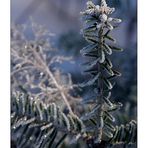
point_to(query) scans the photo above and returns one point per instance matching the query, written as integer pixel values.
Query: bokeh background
(62, 17)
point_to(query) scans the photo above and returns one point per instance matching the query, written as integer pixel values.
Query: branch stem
(43, 65)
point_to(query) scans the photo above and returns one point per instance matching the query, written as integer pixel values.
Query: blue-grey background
(62, 18)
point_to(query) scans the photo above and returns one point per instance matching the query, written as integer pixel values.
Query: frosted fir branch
(98, 24)
(24, 107)
(31, 68)
(31, 114)
(102, 13)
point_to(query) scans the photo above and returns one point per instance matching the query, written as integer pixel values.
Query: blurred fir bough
(36, 77)
(34, 67)
(45, 114)
(36, 124)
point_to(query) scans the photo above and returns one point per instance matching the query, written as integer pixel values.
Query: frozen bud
(90, 5)
(115, 20)
(103, 18)
(98, 8)
(89, 11)
(103, 3)
(110, 19)
(112, 10)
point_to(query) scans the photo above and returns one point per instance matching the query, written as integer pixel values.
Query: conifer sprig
(37, 124)
(98, 24)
